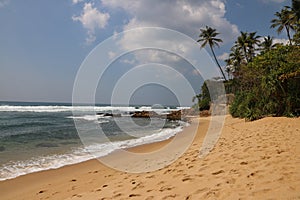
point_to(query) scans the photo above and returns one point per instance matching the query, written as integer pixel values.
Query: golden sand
(251, 160)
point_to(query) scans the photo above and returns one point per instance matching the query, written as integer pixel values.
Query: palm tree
(286, 19)
(242, 44)
(296, 7)
(267, 44)
(236, 59)
(253, 41)
(208, 36)
(247, 42)
(229, 67)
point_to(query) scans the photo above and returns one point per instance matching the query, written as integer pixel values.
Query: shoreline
(250, 160)
(132, 143)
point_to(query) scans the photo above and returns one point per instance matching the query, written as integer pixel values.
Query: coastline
(251, 160)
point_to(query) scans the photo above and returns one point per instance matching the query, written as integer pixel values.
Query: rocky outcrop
(174, 115)
(145, 114)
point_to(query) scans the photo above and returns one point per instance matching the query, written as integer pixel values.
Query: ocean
(41, 136)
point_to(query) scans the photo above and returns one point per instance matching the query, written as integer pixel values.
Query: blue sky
(43, 43)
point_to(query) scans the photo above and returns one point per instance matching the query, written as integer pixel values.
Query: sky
(43, 44)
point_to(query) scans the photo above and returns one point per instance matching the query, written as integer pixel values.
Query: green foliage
(269, 85)
(203, 98)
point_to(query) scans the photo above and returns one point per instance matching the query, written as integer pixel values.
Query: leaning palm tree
(208, 36)
(286, 19)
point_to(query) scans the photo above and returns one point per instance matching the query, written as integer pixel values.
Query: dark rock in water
(100, 113)
(109, 114)
(2, 148)
(145, 114)
(46, 145)
(174, 115)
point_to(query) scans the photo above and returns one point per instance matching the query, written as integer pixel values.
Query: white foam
(8, 108)
(15, 169)
(89, 117)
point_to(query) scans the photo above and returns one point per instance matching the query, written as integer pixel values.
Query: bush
(269, 85)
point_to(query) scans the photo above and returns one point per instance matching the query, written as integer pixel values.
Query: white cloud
(274, 1)
(184, 16)
(77, 1)
(280, 41)
(224, 56)
(92, 19)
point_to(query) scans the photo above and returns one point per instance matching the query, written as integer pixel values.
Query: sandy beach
(251, 160)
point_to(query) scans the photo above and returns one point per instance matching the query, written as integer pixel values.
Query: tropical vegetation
(263, 76)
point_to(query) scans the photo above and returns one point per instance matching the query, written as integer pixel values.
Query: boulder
(144, 114)
(174, 115)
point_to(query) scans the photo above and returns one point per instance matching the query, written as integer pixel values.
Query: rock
(190, 112)
(174, 115)
(2, 148)
(144, 114)
(205, 113)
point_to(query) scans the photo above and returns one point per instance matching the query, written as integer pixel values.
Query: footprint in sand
(171, 196)
(152, 176)
(161, 182)
(138, 186)
(77, 195)
(165, 188)
(117, 195)
(190, 166)
(186, 179)
(134, 195)
(41, 191)
(218, 172)
(244, 163)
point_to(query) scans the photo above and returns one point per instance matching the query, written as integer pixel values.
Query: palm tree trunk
(217, 62)
(288, 34)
